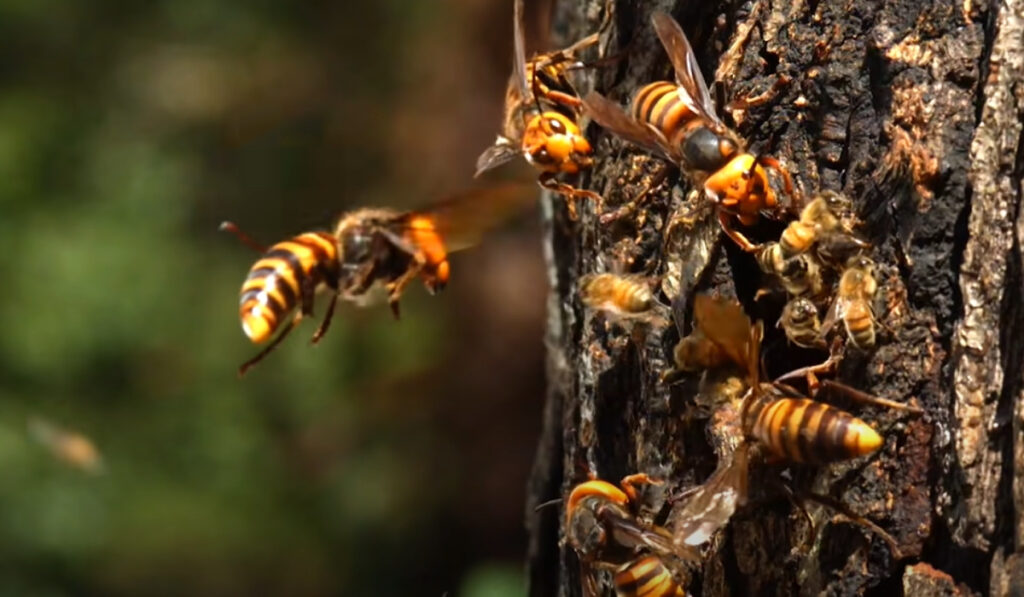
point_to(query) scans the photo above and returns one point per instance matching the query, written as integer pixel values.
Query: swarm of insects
(811, 252)
(541, 119)
(819, 262)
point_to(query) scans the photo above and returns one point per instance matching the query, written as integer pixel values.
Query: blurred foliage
(128, 131)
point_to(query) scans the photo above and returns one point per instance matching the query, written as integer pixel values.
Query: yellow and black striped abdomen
(804, 430)
(860, 324)
(646, 577)
(286, 276)
(660, 105)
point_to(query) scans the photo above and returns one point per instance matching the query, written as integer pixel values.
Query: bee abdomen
(770, 258)
(634, 298)
(645, 577)
(281, 278)
(860, 325)
(807, 431)
(797, 238)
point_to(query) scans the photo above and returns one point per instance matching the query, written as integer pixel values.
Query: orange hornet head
(593, 488)
(742, 187)
(554, 143)
(423, 234)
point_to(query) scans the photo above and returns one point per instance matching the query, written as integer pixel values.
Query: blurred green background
(390, 459)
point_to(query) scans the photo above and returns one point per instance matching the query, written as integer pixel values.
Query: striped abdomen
(619, 293)
(859, 323)
(803, 430)
(660, 105)
(645, 577)
(287, 275)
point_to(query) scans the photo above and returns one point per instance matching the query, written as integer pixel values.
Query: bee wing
(724, 323)
(611, 116)
(679, 313)
(834, 315)
(711, 505)
(519, 52)
(754, 354)
(462, 220)
(688, 75)
(631, 533)
(502, 152)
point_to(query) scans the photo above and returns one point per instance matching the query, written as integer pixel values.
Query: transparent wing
(679, 305)
(462, 219)
(630, 533)
(711, 505)
(688, 75)
(496, 155)
(519, 52)
(835, 313)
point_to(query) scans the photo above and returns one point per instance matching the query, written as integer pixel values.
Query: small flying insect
(70, 447)
(370, 248)
(541, 119)
(627, 296)
(678, 121)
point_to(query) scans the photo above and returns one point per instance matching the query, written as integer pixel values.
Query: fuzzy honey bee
(798, 274)
(852, 305)
(623, 295)
(678, 120)
(801, 323)
(826, 225)
(370, 248)
(603, 529)
(541, 117)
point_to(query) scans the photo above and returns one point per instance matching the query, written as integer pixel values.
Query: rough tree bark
(913, 109)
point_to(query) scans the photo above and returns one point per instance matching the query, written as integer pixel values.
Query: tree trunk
(914, 110)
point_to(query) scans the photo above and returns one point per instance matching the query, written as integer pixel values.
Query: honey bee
(622, 295)
(542, 111)
(798, 274)
(678, 120)
(856, 290)
(370, 248)
(826, 223)
(801, 323)
(603, 528)
(70, 447)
